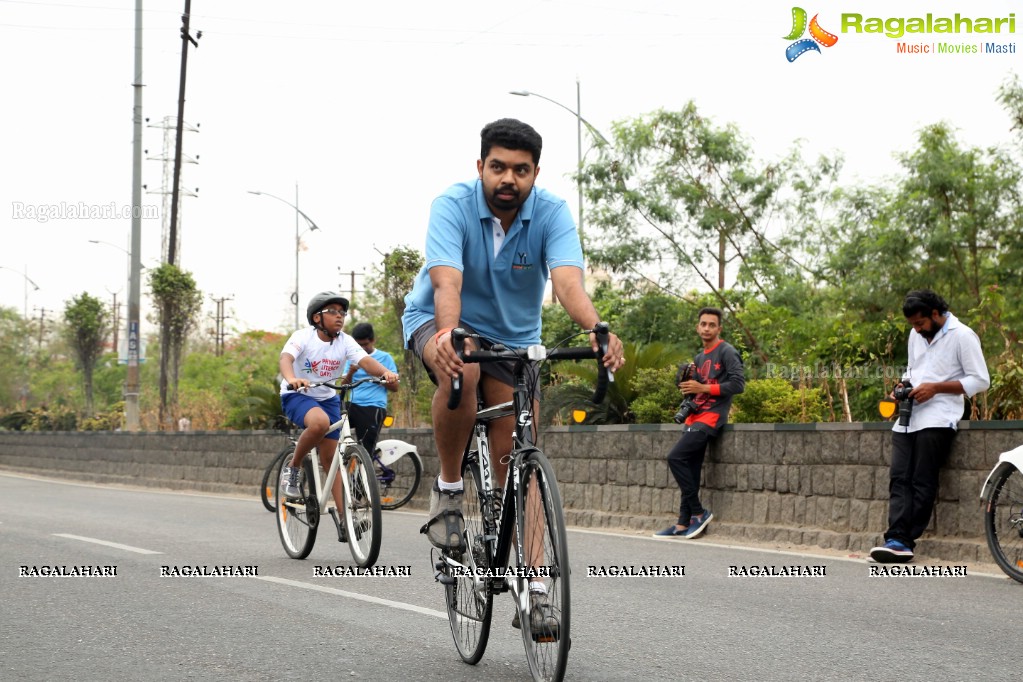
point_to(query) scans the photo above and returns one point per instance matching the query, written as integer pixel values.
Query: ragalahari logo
(817, 35)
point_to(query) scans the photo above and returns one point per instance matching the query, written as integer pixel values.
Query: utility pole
(351, 288)
(220, 333)
(115, 309)
(186, 38)
(42, 324)
(131, 385)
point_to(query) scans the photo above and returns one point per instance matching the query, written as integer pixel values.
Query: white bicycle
(1003, 512)
(298, 518)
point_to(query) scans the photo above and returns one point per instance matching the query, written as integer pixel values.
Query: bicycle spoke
(544, 547)
(468, 598)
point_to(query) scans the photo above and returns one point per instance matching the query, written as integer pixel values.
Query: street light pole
(298, 242)
(580, 121)
(28, 280)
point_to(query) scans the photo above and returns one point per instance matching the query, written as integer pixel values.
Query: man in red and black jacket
(718, 375)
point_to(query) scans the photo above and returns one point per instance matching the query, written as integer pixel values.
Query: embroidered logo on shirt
(522, 263)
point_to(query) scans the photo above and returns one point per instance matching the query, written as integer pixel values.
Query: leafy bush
(659, 397)
(777, 401)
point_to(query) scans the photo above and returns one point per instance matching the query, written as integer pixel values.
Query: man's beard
(505, 204)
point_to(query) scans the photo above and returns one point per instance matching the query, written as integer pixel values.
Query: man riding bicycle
(319, 353)
(490, 245)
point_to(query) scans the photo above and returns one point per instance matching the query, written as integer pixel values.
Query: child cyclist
(319, 353)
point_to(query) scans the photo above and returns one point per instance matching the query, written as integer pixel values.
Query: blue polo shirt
(372, 395)
(502, 294)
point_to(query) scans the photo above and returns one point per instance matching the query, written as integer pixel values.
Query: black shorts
(502, 371)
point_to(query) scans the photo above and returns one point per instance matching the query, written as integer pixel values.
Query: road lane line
(107, 543)
(354, 595)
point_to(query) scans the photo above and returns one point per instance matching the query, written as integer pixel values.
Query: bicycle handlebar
(342, 387)
(537, 353)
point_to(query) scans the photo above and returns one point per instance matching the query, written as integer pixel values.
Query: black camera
(901, 394)
(688, 405)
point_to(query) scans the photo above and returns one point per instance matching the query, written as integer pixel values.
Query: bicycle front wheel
(363, 523)
(398, 480)
(543, 543)
(1003, 522)
(468, 597)
(298, 517)
(272, 477)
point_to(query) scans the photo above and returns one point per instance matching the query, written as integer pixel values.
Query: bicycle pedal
(445, 579)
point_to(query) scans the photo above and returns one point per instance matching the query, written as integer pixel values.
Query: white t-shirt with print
(318, 360)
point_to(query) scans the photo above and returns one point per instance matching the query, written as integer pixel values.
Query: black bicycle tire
(469, 633)
(402, 501)
(272, 478)
(547, 662)
(366, 556)
(1009, 560)
(300, 548)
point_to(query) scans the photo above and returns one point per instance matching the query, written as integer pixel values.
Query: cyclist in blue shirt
(490, 245)
(369, 401)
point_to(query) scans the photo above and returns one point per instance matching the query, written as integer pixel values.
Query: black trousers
(686, 462)
(366, 423)
(916, 460)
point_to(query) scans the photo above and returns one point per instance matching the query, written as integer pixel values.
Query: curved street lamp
(298, 242)
(580, 121)
(28, 280)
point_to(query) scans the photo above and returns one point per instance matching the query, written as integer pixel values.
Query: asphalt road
(287, 624)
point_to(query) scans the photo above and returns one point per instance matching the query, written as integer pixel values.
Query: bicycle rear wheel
(298, 518)
(272, 477)
(543, 542)
(363, 523)
(1003, 522)
(468, 597)
(398, 480)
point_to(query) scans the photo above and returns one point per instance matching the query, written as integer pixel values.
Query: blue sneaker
(671, 532)
(698, 524)
(892, 552)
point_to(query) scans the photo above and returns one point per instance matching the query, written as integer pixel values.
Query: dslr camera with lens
(901, 395)
(688, 405)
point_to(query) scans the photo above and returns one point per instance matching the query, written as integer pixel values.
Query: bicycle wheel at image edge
(272, 477)
(399, 482)
(546, 631)
(469, 601)
(298, 518)
(1003, 522)
(363, 523)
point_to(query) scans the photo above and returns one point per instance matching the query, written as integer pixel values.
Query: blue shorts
(297, 405)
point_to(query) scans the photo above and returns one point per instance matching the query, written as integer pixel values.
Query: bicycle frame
(324, 488)
(498, 546)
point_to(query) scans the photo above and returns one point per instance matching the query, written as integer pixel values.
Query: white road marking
(107, 543)
(354, 595)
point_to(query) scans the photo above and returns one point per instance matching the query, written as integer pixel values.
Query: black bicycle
(535, 526)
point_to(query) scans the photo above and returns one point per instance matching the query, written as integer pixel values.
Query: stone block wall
(808, 484)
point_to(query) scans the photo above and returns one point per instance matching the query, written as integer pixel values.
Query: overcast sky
(372, 109)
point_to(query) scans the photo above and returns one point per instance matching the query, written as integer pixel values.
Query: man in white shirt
(945, 364)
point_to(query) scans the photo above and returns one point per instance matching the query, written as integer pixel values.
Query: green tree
(679, 197)
(14, 360)
(392, 283)
(178, 301)
(86, 321)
